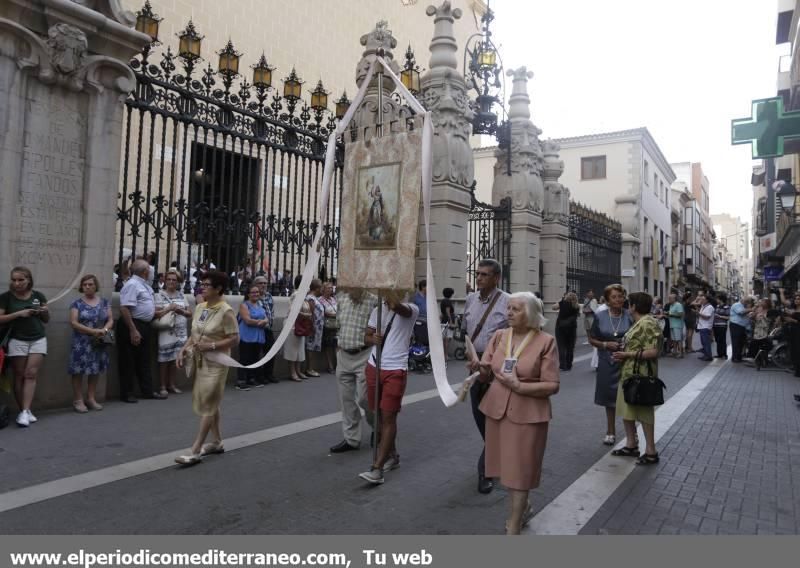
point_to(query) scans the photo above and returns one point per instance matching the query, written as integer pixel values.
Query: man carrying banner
(397, 323)
(484, 313)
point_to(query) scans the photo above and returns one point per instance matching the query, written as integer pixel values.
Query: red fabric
(393, 387)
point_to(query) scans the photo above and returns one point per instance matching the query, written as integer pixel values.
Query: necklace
(484, 300)
(615, 328)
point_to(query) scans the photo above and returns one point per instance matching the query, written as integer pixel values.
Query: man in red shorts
(397, 323)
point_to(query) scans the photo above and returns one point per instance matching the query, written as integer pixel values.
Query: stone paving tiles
(731, 465)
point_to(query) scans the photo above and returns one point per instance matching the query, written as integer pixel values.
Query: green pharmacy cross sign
(767, 128)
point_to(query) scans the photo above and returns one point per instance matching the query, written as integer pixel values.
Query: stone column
(444, 93)
(523, 185)
(555, 228)
(63, 79)
(627, 209)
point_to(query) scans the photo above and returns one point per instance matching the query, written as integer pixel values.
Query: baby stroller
(419, 354)
(459, 338)
(773, 352)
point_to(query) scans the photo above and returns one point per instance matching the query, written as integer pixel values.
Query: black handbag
(643, 390)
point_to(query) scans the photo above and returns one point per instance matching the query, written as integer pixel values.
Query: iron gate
(223, 172)
(489, 236)
(595, 250)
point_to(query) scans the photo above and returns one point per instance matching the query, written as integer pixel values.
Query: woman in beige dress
(214, 328)
(524, 362)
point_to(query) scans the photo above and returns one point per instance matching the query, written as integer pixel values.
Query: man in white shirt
(705, 323)
(137, 308)
(397, 323)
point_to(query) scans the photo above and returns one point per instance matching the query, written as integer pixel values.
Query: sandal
(190, 459)
(527, 516)
(626, 452)
(647, 459)
(296, 379)
(175, 390)
(610, 440)
(312, 373)
(212, 448)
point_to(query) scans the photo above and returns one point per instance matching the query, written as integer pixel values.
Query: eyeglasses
(205, 284)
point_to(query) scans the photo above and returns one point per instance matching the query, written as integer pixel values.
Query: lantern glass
(262, 77)
(342, 105)
(410, 79)
(147, 25)
(487, 57)
(319, 98)
(229, 63)
(189, 46)
(291, 88)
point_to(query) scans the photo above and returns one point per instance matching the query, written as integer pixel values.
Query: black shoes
(273, 380)
(485, 484)
(156, 396)
(342, 447)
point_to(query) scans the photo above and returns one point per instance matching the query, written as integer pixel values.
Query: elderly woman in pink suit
(524, 363)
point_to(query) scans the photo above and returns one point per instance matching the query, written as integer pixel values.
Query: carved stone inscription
(50, 205)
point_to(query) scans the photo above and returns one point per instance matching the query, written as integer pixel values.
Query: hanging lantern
(190, 43)
(228, 60)
(262, 73)
(319, 98)
(147, 22)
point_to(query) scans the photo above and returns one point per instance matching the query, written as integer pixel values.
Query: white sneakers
(392, 463)
(374, 476)
(25, 418)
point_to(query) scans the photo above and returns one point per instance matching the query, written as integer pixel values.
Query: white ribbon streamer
(314, 254)
(449, 398)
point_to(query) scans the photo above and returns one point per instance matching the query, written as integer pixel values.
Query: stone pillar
(555, 228)
(63, 79)
(523, 186)
(444, 93)
(626, 209)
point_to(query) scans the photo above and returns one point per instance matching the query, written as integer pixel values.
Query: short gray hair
(534, 310)
(496, 268)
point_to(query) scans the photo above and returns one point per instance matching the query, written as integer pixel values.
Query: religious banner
(380, 213)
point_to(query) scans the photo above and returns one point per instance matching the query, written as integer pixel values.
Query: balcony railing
(787, 231)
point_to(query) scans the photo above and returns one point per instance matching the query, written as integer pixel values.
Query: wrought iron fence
(595, 250)
(219, 170)
(489, 236)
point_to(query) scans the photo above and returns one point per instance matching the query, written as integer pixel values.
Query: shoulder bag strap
(485, 315)
(386, 334)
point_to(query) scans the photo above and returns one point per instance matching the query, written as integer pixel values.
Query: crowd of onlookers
(515, 365)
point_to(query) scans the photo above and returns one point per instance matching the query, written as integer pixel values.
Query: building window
(655, 184)
(646, 172)
(593, 167)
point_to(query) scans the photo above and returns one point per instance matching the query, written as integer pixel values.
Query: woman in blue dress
(607, 334)
(91, 318)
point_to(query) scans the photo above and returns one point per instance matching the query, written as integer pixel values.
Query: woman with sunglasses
(214, 329)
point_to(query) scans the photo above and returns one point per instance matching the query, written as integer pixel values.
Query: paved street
(730, 465)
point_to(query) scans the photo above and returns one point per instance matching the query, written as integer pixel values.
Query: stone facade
(63, 77)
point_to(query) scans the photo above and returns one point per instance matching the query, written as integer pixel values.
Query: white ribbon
(449, 398)
(314, 254)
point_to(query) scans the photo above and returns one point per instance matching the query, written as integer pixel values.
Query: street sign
(767, 128)
(773, 273)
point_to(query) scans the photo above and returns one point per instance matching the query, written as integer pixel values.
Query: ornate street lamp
(228, 65)
(482, 74)
(342, 105)
(147, 22)
(262, 74)
(292, 88)
(410, 73)
(319, 102)
(787, 194)
(319, 97)
(189, 47)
